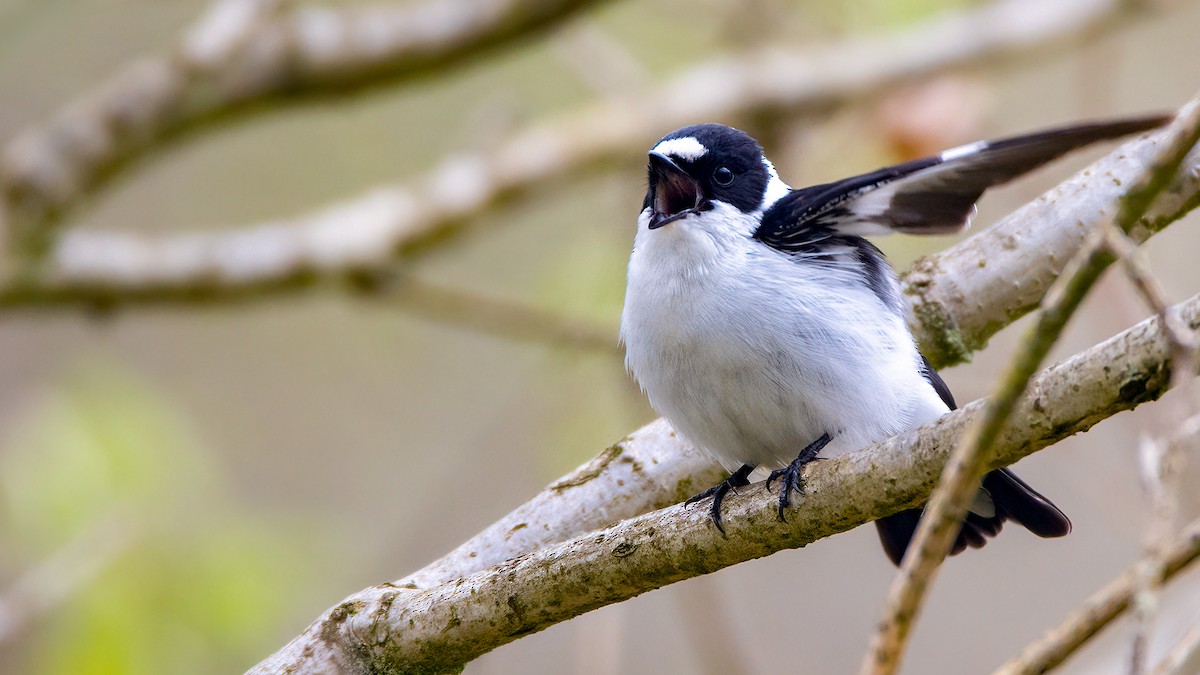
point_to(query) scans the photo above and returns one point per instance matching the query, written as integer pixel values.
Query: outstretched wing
(934, 195)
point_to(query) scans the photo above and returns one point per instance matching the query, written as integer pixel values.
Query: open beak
(676, 194)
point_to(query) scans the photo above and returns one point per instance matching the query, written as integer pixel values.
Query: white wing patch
(963, 151)
(686, 148)
(869, 210)
(866, 211)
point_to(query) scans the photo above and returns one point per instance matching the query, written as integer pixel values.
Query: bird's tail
(1010, 498)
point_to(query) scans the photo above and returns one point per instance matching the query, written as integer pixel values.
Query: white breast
(752, 355)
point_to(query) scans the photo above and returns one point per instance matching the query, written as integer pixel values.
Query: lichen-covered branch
(960, 481)
(441, 622)
(50, 168)
(240, 56)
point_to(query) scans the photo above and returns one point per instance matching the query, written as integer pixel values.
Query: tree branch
(402, 627)
(47, 170)
(1184, 657)
(242, 55)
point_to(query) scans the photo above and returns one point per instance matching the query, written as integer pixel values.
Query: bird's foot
(735, 480)
(791, 477)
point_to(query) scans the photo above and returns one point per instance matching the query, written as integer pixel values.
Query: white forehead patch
(686, 148)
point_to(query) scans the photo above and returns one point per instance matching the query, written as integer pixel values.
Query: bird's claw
(791, 477)
(735, 480)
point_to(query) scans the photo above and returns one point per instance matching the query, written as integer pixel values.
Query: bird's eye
(723, 176)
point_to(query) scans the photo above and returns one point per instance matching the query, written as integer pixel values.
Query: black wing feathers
(925, 196)
(1026, 505)
(944, 197)
(811, 212)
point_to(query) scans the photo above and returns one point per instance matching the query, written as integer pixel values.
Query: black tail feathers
(1012, 500)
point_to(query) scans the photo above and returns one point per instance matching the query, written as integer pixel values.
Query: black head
(692, 167)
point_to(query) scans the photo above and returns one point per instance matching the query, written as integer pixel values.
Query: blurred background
(197, 483)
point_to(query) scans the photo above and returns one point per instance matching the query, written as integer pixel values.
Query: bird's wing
(934, 195)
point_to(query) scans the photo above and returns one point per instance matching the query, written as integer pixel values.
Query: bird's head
(693, 168)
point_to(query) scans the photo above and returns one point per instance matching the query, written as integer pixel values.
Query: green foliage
(199, 590)
(100, 442)
(875, 14)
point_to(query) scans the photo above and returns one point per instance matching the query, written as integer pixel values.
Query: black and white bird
(768, 331)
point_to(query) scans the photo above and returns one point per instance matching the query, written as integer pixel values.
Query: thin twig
(1099, 610)
(494, 316)
(1184, 657)
(1162, 454)
(960, 481)
(1158, 475)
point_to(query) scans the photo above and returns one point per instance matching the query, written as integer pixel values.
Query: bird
(765, 327)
